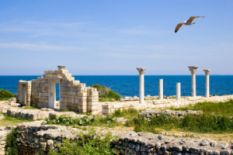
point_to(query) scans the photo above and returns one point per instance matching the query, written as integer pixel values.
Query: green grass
(129, 113)
(202, 123)
(107, 121)
(106, 94)
(220, 108)
(29, 107)
(4, 94)
(216, 118)
(8, 120)
(90, 144)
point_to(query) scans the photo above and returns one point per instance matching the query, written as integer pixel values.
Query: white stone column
(178, 90)
(141, 84)
(52, 94)
(193, 70)
(160, 89)
(207, 82)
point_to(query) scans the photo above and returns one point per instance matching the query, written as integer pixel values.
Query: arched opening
(58, 95)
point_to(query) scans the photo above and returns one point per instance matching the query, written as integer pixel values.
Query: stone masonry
(74, 96)
(34, 138)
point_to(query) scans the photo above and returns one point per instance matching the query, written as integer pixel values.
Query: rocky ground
(174, 113)
(10, 107)
(34, 136)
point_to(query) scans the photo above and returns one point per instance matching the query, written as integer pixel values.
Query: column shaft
(178, 90)
(141, 84)
(193, 85)
(207, 85)
(160, 89)
(141, 89)
(207, 82)
(193, 70)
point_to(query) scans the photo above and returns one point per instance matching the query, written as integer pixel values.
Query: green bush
(11, 146)
(65, 120)
(90, 144)
(84, 121)
(4, 94)
(106, 94)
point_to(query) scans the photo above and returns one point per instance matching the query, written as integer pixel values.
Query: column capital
(207, 71)
(141, 70)
(193, 69)
(60, 67)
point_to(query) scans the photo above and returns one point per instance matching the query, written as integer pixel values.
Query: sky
(113, 37)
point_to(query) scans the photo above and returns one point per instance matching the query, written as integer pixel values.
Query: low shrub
(65, 120)
(90, 144)
(4, 94)
(106, 94)
(83, 121)
(11, 146)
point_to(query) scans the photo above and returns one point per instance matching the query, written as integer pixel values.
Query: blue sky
(105, 37)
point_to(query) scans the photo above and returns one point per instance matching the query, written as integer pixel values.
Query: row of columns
(192, 69)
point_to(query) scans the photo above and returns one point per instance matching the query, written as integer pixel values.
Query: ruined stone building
(74, 96)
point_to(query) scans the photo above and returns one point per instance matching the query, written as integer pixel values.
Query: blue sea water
(128, 85)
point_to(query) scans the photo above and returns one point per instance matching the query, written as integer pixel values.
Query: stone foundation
(35, 138)
(173, 113)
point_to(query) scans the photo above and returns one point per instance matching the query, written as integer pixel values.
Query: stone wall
(24, 92)
(32, 139)
(74, 96)
(4, 131)
(39, 93)
(156, 144)
(173, 113)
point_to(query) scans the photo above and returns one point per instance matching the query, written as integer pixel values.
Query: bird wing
(178, 26)
(190, 20)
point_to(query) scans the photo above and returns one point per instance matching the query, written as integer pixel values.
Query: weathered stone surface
(35, 138)
(173, 113)
(139, 143)
(34, 114)
(3, 134)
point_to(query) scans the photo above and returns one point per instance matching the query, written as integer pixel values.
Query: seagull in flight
(188, 22)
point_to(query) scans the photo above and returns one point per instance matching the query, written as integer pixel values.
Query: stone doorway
(54, 94)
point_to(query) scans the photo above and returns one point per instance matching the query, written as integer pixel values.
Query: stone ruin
(74, 96)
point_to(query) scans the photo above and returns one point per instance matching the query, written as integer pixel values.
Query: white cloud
(38, 47)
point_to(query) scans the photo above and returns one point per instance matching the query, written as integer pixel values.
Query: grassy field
(201, 123)
(7, 121)
(216, 119)
(220, 108)
(106, 121)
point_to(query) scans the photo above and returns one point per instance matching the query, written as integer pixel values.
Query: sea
(129, 85)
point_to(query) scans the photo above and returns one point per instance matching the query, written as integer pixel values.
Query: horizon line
(128, 75)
